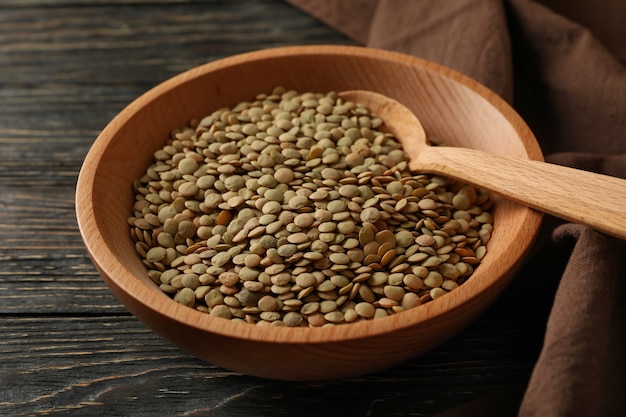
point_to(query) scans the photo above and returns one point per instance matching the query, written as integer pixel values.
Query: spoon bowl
(570, 194)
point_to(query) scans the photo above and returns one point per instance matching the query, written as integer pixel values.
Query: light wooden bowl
(450, 106)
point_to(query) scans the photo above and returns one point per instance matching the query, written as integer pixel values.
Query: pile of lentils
(299, 210)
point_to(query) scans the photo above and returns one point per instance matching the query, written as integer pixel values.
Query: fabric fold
(568, 87)
(580, 371)
(469, 36)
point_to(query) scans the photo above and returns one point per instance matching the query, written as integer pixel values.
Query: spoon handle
(570, 194)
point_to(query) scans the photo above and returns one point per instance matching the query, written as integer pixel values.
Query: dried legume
(299, 210)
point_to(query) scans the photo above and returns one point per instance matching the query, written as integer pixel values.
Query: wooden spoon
(570, 194)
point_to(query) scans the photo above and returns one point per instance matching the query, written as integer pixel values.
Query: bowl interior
(451, 107)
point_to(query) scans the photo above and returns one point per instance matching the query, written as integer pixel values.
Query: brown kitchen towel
(571, 90)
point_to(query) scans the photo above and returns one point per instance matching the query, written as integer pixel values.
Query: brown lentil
(298, 210)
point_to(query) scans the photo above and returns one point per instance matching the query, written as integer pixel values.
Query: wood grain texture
(99, 366)
(67, 346)
(44, 269)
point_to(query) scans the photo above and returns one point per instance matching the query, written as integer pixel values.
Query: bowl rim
(115, 273)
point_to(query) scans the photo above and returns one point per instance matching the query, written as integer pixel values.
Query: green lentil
(298, 210)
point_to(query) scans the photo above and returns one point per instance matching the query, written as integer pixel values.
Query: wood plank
(44, 267)
(46, 130)
(114, 366)
(138, 44)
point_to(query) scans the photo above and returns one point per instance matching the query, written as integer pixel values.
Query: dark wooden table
(67, 346)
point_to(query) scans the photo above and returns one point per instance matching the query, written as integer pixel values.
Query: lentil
(299, 210)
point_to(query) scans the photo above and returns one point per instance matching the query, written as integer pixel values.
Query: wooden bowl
(451, 106)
